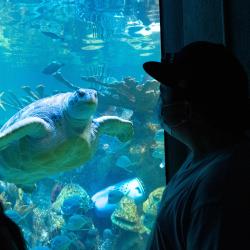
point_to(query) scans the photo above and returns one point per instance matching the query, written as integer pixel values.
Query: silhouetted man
(204, 104)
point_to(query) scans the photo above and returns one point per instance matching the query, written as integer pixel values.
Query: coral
(4, 200)
(151, 205)
(126, 216)
(40, 235)
(61, 242)
(106, 245)
(11, 191)
(78, 222)
(23, 208)
(46, 224)
(127, 240)
(72, 190)
(129, 94)
(57, 221)
(150, 208)
(74, 204)
(55, 191)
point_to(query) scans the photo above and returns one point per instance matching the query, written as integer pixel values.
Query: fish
(52, 35)
(2, 103)
(58, 76)
(40, 90)
(13, 99)
(92, 47)
(124, 162)
(52, 68)
(29, 91)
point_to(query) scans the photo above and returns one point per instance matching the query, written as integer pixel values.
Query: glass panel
(75, 172)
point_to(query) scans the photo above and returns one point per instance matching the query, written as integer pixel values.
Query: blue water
(107, 39)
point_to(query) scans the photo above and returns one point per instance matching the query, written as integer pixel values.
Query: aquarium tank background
(49, 48)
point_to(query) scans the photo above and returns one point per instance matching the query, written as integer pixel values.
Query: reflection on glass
(81, 150)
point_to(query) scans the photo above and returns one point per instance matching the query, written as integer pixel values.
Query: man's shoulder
(225, 176)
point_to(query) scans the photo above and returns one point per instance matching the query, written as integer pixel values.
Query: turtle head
(82, 104)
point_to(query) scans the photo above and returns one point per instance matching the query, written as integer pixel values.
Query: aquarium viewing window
(81, 150)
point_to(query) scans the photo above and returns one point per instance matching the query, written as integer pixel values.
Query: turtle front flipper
(115, 126)
(32, 126)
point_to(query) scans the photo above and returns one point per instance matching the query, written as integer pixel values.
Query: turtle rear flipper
(32, 126)
(115, 126)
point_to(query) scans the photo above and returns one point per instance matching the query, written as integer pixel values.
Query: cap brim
(164, 73)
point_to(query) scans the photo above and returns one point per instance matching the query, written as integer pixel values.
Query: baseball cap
(210, 77)
(202, 70)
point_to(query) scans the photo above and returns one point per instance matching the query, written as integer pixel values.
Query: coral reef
(126, 216)
(78, 222)
(151, 207)
(72, 190)
(4, 200)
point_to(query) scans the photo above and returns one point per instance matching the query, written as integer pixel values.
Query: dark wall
(202, 20)
(237, 30)
(222, 21)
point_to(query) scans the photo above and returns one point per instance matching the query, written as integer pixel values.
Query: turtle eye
(81, 92)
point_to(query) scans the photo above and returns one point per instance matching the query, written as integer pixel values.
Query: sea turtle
(55, 134)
